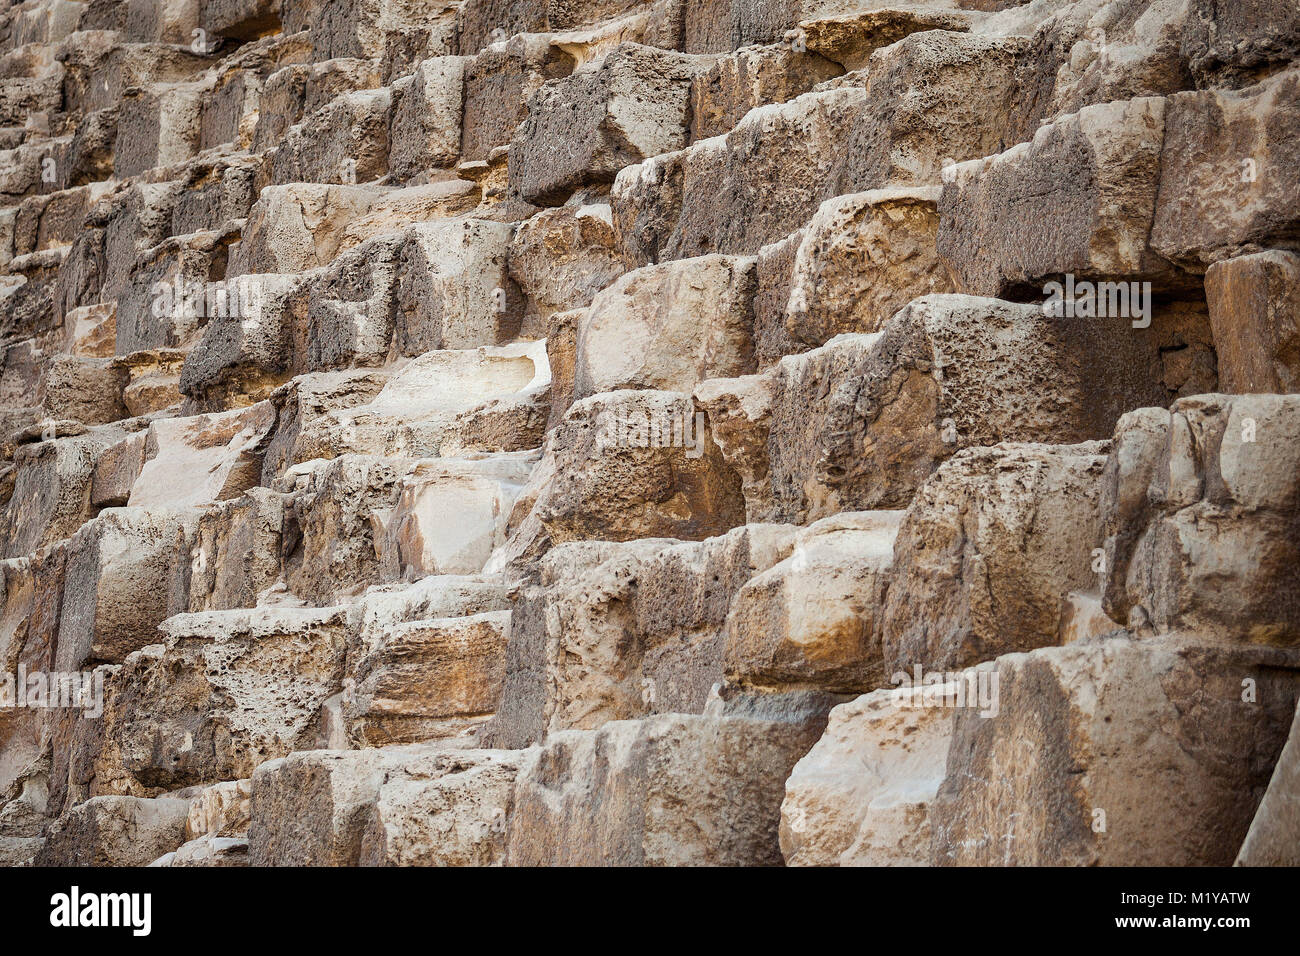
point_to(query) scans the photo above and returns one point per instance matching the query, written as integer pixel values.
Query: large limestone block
(562, 257)
(203, 458)
(300, 89)
(633, 464)
(350, 307)
(345, 141)
(668, 327)
(1255, 315)
(365, 28)
(1079, 198)
(863, 420)
(582, 129)
(327, 522)
(1119, 752)
(733, 194)
(1274, 835)
(618, 631)
(227, 691)
(499, 82)
(234, 555)
(426, 123)
(993, 543)
(862, 258)
(50, 498)
(813, 619)
(862, 795)
(299, 226)
(1239, 41)
(116, 593)
(1200, 510)
(1228, 175)
(932, 98)
(245, 354)
(428, 679)
(751, 77)
(673, 790)
(83, 390)
(410, 412)
(454, 289)
(450, 514)
(394, 806)
(454, 810)
(157, 125)
(165, 300)
(115, 831)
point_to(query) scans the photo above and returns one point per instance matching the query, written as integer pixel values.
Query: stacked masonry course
(541, 431)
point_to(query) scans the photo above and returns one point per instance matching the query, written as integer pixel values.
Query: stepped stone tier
(670, 432)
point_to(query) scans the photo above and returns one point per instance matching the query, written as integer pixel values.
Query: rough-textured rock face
(647, 432)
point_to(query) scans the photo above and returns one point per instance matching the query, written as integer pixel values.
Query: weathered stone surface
(991, 546)
(666, 791)
(407, 805)
(813, 619)
(1200, 507)
(582, 129)
(618, 631)
(116, 591)
(561, 258)
(454, 290)
(222, 448)
(426, 118)
(1097, 728)
(938, 377)
(668, 327)
(227, 691)
(1274, 835)
(615, 480)
(862, 258)
(1003, 228)
(734, 194)
(115, 831)
(862, 795)
(1255, 312)
(428, 679)
(1228, 172)
(749, 78)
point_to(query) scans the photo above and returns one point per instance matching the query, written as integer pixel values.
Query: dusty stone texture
(1272, 837)
(116, 584)
(582, 129)
(115, 831)
(1228, 172)
(751, 77)
(668, 327)
(561, 258)
(1101, 726)
(618, 631)
(813, 619)
(938, 377)
(666, 791)
(990, 547)
(383, 806)
(1199, 513)
(862, 795)
(1254, 307)
(1003, 228)
(861, 259)
(227, 691)
(733, 194)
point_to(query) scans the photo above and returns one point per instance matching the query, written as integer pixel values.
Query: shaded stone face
(619, 432)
